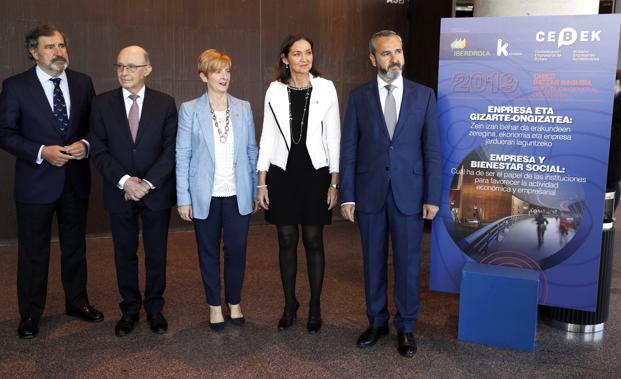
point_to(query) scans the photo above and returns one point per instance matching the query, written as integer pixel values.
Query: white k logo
(502, 48)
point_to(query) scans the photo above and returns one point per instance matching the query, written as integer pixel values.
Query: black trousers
(125, 231)
(34, 230)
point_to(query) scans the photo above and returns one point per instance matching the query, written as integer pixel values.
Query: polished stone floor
(68, 348)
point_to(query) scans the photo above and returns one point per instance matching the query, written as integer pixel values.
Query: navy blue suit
(390, 180)
(26, 123)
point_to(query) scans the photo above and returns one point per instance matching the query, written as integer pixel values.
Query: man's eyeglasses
(131, 68)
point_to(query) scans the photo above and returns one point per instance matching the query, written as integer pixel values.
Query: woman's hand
(256, 206)
(333, 195)
(263, 198)
(185, 212)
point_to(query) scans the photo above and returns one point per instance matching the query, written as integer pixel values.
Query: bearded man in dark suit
(44, 115)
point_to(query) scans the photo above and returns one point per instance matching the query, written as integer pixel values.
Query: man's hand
(347, 211)
(135, 188)
(77, 150)
(429, 211)
(185, 212)
(55, 155)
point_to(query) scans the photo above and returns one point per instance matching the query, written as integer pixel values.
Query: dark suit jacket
(614, 157)
(151, 157)
(410, 162)
(27, 122)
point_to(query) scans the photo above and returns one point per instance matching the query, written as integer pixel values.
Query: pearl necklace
(303, 114)
(223, 136)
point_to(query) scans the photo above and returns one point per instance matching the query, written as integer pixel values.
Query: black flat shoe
(126, 325)
(157, 323)
(237, 321)
(406, 344)
(28, 328)
(216, 326)
(86, 313)
(371, 335)
(314, 324)
(288, 318)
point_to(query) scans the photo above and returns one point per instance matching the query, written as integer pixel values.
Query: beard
(389, 75)
(59, 64)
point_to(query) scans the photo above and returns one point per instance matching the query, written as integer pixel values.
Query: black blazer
(151, 157)
(27, 122)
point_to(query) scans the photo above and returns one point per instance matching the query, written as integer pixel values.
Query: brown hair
(283, 74)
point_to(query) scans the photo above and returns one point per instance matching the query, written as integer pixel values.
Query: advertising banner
(525, 107)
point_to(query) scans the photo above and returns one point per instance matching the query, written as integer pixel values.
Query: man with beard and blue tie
(44, 118)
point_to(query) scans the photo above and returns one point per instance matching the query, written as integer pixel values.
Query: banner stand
(576, 321)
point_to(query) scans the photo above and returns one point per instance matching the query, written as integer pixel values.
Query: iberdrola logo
(458, 43)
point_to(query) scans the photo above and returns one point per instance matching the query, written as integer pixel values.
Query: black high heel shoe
(237, 321)
(314, 324)
(215, 326)
(287, 318)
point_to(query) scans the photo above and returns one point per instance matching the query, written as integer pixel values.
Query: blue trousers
(223, 223)
(406, 235)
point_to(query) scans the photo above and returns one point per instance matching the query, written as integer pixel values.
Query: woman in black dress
(298, 168)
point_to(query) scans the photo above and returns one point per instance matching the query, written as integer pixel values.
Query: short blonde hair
(212, 60)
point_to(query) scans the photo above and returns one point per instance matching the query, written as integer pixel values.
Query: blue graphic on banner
(525, 107)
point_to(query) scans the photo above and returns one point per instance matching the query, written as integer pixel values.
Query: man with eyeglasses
(44, 114)
(133, 132)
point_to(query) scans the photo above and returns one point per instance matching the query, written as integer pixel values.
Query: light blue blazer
(196, 164)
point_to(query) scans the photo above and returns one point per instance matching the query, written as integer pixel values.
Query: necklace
(223, 136)
(308, 89)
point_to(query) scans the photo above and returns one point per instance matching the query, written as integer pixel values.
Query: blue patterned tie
(60, 108)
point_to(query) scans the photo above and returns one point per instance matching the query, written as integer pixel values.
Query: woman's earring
(286, 66)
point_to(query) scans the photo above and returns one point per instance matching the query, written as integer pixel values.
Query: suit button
(392, 148)
(133, 150)
(387, 168)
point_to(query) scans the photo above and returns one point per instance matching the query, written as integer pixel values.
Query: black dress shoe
(157, 323)
(237, 321)
(371, 335)
(314, 324)
(126, 325)
(28, 328)
(86, 313)
(406, 344)
(287, 318)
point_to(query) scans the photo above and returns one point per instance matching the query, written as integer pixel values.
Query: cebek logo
(458, 43)
(568, 36)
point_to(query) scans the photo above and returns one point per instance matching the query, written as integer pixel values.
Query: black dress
(298, 195)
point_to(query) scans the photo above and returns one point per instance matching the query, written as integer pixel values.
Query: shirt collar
(140, 93)
(398, 83)
(45, 77)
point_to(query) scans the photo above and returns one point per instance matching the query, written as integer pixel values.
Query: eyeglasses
(131, 68)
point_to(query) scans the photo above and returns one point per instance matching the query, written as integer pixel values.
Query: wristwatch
(335, 186)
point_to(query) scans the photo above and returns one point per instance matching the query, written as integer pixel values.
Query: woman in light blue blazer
(216, 182)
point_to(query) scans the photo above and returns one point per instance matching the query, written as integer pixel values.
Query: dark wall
(175, 32)
(423, 50)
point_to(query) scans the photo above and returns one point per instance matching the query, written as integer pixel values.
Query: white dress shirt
(128, 104)
(48, 88)
(397, 92)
